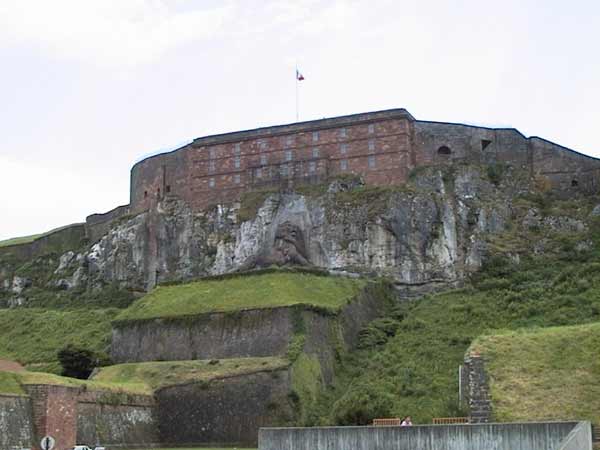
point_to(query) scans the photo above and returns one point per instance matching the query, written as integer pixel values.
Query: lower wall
(58, 241)
(116, 420)
(510, 436)
(16, 427)
(77, 416)
(580, 438)
(224, 411)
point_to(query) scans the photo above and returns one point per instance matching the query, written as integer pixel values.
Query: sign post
(47, 443)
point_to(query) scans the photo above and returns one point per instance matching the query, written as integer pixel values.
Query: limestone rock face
(429, 235)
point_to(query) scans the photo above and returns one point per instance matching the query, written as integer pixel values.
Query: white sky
(88, 87)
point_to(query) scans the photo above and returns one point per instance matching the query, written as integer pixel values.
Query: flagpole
(296, 77)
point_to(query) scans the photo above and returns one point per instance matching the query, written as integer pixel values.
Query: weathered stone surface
(228, 411)
(16, 426)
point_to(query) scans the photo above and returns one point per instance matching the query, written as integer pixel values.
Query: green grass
(154, 375)
(9, 384)
(545, 374)
(33, 336)
(19, 240)
(267, 290)
(411, 367)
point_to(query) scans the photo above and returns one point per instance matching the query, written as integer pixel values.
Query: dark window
(158, 192)
(574, 183)
(168, 189)
(485, 143)
(145, 194)
(443, 150)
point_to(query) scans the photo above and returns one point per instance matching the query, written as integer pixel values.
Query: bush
(363, 403)
(77, 362)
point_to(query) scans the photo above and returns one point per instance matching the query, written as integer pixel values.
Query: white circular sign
(47, 443)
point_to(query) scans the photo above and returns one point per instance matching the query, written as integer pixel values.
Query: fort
(383, 147)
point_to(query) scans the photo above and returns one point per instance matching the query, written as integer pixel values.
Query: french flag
(299, 76)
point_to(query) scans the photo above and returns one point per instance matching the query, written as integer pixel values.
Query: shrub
(77, 362)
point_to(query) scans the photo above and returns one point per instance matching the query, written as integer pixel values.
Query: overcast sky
(88, 87)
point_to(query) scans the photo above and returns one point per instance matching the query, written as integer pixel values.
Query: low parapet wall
(498, 436)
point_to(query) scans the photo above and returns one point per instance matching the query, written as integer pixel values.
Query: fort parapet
(382, 147)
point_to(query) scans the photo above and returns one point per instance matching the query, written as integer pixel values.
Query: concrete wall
(16, 427)
(521, 436)
(580, 438)
(224, 411)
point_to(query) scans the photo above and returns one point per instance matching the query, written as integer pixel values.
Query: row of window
(285, 170)
(342, 132)
(288, 156)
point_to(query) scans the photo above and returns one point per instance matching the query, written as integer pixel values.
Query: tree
(76, 362)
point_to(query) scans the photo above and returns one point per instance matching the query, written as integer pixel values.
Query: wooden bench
(387, 422)
(450, 420)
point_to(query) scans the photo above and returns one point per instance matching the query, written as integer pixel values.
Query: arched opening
(145, 194)
(445, 151)
(574, 183)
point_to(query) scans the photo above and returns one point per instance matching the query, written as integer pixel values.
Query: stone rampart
(58, 241)
(504, 436)
(238, 334)
(76, 416)
(16, 427)
(226, 411)
(382, 147)
(97, 225)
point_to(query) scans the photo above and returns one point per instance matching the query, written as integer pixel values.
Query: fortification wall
(57, 241)
(383, 147)
(74, 416)
(505, 436)
(220, 168)
(239, 406)
(97, 225)
(16, 428)
(246, 333)
(116, 419)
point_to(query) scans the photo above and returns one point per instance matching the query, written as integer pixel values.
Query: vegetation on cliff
(409, 360)
(267, 290)
(154, 375)
(544, 374)
(33, 336)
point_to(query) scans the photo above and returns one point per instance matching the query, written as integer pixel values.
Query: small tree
(76, 362)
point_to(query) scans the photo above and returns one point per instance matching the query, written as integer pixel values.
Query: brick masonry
(77, 416)
(382, 147)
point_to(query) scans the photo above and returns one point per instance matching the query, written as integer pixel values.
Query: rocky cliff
(430, 233)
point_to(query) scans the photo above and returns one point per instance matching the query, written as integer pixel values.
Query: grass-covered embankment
(154, 375)
(544, 374)
(33, 336)
(266, 290)
(409, 361)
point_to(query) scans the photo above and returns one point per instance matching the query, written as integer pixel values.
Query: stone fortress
(383, 147)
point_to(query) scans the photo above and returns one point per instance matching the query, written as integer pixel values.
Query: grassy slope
(244, 292)
(415, 372)
(19, 240)
(546, 374)
(33, 336)
(153, 375)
